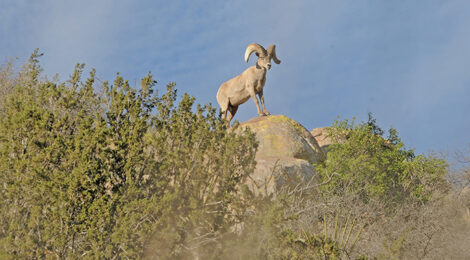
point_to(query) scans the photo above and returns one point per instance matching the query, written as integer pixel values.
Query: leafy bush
(361, 161)
(124, 173)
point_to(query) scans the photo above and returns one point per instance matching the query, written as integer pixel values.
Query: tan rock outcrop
(322, 136)
(285, 154)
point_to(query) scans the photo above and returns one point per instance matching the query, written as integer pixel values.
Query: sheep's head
(264, 57)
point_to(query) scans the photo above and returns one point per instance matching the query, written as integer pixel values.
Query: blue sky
(407, 62)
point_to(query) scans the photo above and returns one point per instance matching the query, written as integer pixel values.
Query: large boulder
(286, 153)
(280, 136)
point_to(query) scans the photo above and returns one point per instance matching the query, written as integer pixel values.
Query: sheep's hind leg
(224, 114)
(224, 109)
(232, 110)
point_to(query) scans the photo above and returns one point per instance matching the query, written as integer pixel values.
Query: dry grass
(438, 229)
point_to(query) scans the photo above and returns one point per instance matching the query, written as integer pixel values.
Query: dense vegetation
(362, 161)
(114, 174)
(92, 169)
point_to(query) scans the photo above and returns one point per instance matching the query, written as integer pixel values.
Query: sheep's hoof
(266, 113)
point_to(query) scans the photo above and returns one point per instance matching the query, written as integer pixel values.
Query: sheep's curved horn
(272, 54)
(254, 47)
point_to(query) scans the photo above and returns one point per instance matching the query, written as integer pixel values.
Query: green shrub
(361, 161)
(125, 173)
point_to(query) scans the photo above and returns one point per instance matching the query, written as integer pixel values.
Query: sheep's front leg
(261, 97)
(253, 96)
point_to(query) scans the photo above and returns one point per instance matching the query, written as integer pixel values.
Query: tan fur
(250, 83)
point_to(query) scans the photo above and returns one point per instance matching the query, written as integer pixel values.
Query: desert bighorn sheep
(250, 83)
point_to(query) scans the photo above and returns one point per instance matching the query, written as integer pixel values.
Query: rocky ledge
(286, 153)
